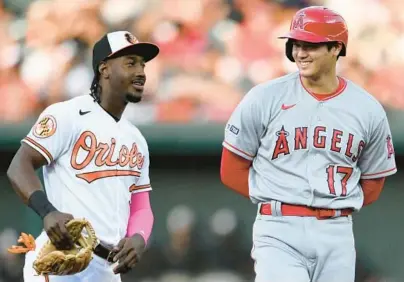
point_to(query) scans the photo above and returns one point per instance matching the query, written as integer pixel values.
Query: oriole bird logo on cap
(130, 38)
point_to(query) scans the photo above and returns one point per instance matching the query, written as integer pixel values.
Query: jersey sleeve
(51, 133)
(377, 159)
(244, 127)
(143, 183)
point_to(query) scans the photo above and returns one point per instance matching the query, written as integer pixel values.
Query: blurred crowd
(195, 250)
(212, 52)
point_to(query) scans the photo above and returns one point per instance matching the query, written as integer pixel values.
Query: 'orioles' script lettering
(101, 154)
(282, 146)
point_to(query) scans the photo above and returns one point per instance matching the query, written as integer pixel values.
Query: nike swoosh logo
(287, 107)
(83, 113)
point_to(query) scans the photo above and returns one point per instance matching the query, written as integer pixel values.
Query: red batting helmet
(317, 24)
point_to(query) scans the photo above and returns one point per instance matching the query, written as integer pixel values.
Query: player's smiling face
(128, 77)
(313, 59)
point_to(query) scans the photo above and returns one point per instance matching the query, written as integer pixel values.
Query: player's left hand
(128, 253)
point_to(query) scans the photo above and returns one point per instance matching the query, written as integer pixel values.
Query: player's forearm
(26, 182)
(23, 177)
(141, 217)
(235, 180)
(234, 172)
(141, 222)
(372, 189)
(238, 187)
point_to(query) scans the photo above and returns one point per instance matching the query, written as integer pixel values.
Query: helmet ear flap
(343, 50)
(288, 50)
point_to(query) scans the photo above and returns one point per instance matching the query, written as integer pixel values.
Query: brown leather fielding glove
(51, 261)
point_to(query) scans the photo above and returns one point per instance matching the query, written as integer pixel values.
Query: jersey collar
(324, 97)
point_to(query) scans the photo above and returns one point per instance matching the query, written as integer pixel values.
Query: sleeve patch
(233, 129)
(390, 148)
(45, 127)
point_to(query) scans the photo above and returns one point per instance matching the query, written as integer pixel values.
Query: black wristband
(40, 203)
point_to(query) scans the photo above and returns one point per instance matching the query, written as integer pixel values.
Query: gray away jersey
(310, 152)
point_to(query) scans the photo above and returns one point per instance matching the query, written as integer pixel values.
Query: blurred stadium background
(212, 52)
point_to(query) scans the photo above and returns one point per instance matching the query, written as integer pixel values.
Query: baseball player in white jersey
(308, 148)
(95, 164)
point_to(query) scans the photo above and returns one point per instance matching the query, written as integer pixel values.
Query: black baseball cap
(121, 43)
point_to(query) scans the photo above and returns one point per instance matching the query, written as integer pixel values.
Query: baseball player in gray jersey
(309, 148)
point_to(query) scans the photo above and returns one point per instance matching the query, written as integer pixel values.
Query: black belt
(104, 252)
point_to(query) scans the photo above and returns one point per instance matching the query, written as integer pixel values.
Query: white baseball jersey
(94, 163)
(310, 152)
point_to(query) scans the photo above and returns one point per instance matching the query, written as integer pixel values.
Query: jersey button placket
(313, 154)
(119, 144)
(320, 106)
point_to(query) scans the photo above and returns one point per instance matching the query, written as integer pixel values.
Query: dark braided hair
(95, 90)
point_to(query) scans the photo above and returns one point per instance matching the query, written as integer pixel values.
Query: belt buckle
(324, 213)
(110, 256)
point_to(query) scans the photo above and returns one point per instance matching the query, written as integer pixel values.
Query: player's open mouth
(138, 84)
(304, 64)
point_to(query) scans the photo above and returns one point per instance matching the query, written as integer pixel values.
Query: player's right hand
(55, 227)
